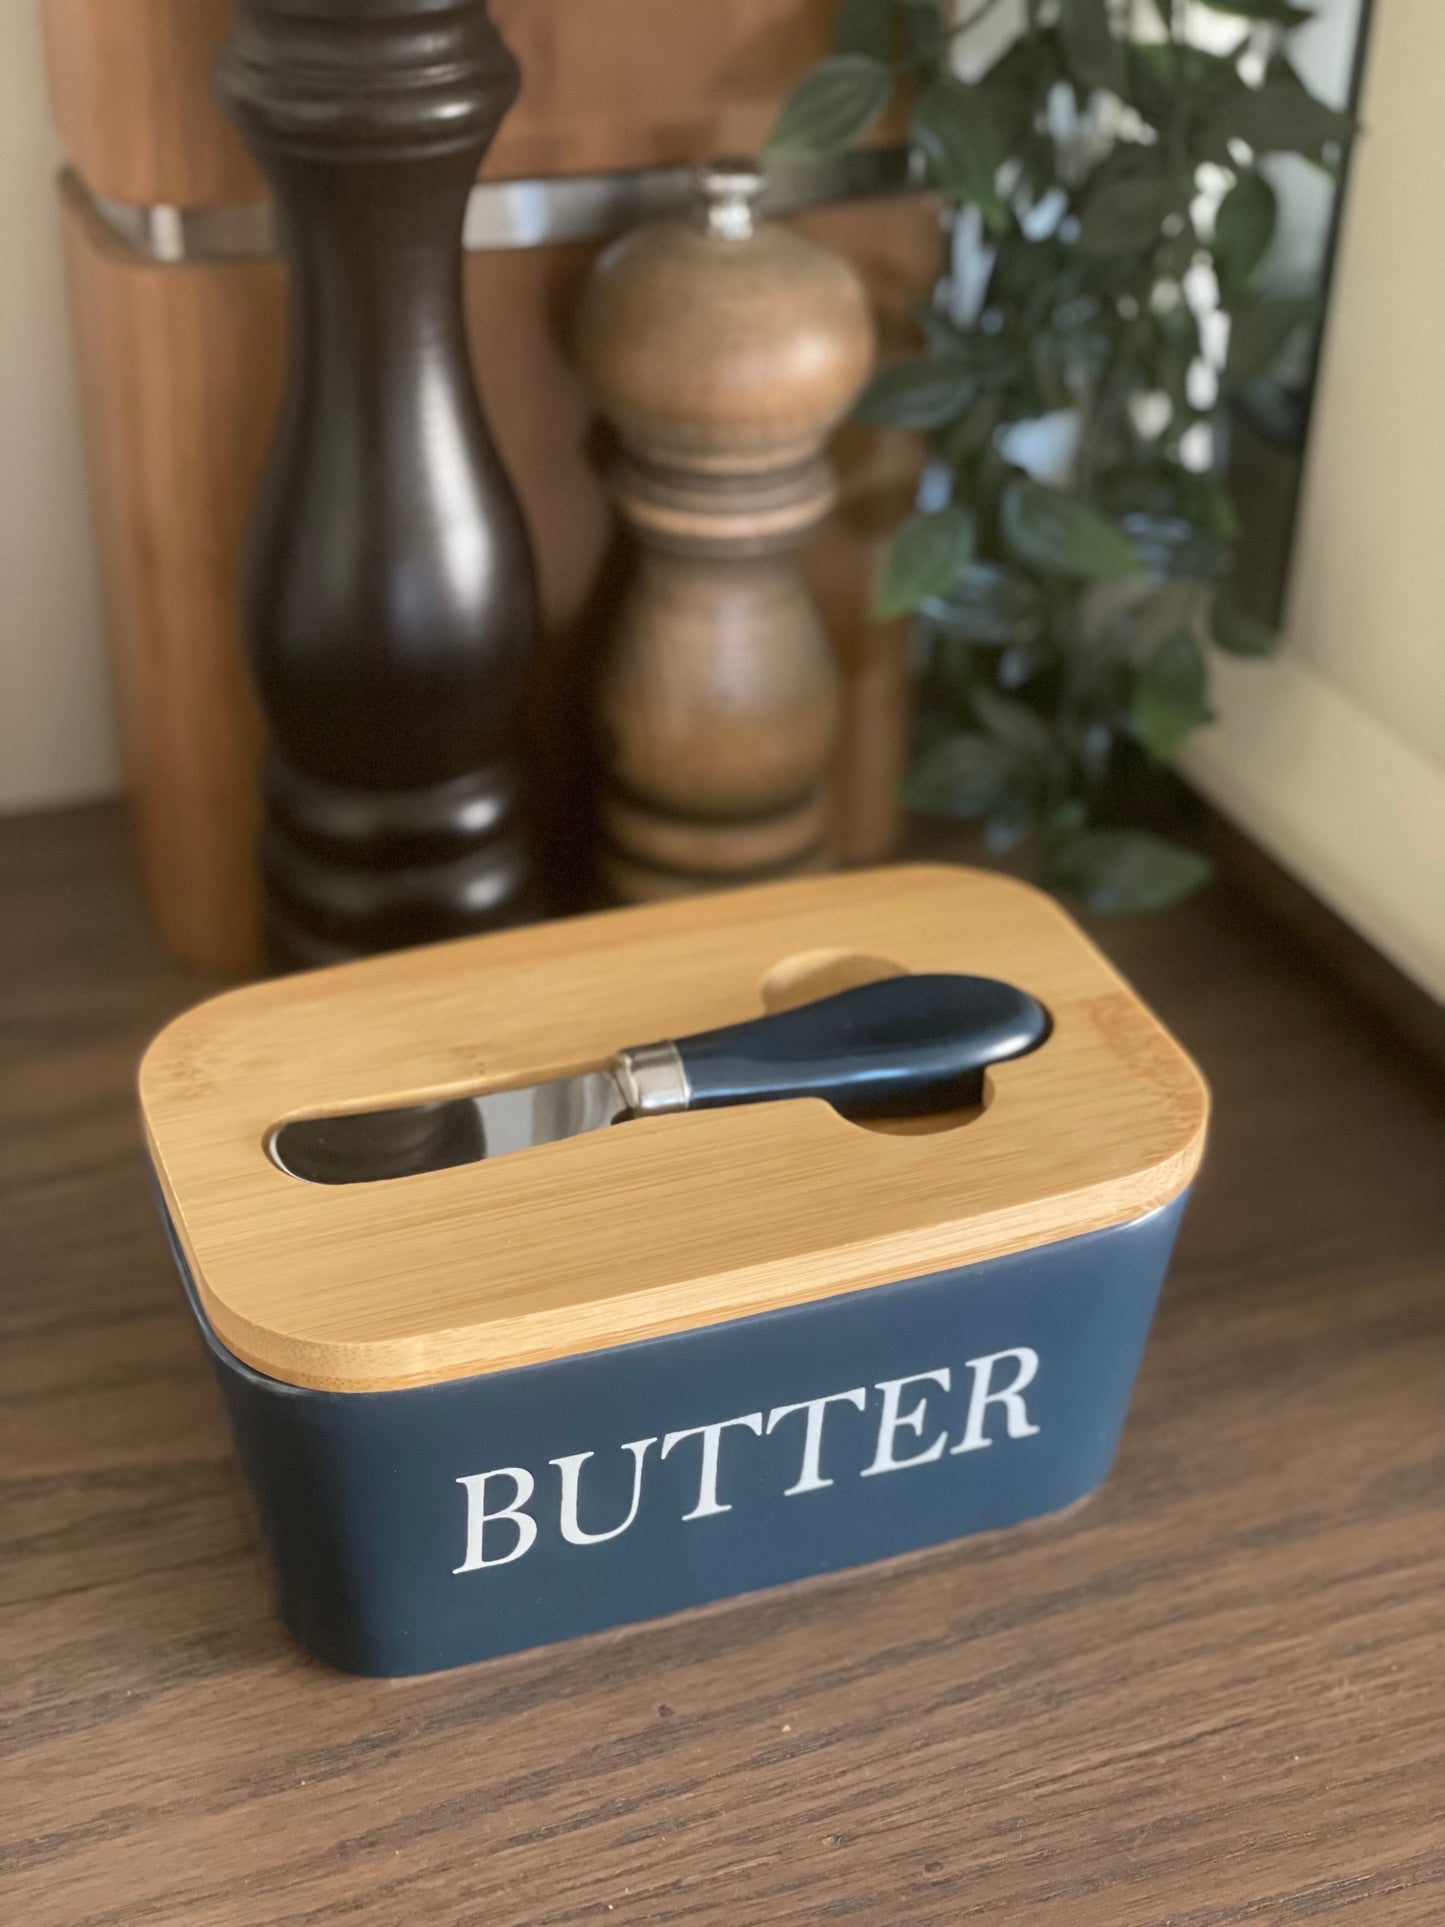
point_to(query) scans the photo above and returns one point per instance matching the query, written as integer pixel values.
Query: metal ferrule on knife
(652, 1078)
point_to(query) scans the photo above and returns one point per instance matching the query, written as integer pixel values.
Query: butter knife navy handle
(888, 1049)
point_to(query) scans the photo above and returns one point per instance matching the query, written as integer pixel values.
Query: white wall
(57, 739)
(1333, 757)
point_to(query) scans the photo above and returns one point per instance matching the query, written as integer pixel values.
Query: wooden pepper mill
(390, 604)
(723, 349)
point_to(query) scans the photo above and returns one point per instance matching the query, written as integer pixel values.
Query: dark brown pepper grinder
(390, 601)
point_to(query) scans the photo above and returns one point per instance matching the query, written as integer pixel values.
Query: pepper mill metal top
(727, 194)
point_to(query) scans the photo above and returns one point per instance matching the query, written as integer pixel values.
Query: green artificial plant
(1066, 609)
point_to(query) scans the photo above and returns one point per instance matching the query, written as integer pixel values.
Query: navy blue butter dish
(527, 1328)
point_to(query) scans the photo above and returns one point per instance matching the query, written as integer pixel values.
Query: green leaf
(1057, 533)
(939, 333)
(960, 777)
(1013, 817)
(925, 557)
(1258, 331)
(1020, 663)
(927, 34)
(864, 27)
(1169, 695)
(1239, 634)
(1176, 545)
(1206, 501)
(1171, 345)
(1092, 55)
(1017, 86)
(991, 606)
(1282, 69)
(1012, 112)
(1284, 12)
(1119, 871)
(1092, 746)
(1279, 118)
(953, 128)
(965, 437)
(1243, 229)
(1128, 216)
(926, 392)
(1164, 492)
(831, 106)
(1066, 819)
(1014, 724)
(1172, 83)
(1142, 629)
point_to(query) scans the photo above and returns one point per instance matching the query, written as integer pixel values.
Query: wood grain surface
(393, 675)
(616, 1236)
(181, 373)
(634, 83)
(724, 349)
(1213, 1697)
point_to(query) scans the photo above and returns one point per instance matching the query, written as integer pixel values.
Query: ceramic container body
(419, 1529)
(511, 1399)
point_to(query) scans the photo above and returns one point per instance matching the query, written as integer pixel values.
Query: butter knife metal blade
(898, 1047)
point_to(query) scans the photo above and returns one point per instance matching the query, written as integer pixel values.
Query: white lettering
(478, 1517)
(892, 1422)
(571, 1470)
(711, 1435)
(980, 1398)
(1019, 1366)
(811, 1479)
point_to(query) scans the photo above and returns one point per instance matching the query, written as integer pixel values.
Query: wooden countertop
(1214, 1694)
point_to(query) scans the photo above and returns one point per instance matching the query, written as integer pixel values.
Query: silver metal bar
(502, 214)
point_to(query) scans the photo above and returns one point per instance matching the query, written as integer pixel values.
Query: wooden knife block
(182, 372)
(383, 1344)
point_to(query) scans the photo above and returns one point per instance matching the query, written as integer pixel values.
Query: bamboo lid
(661, 1224)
